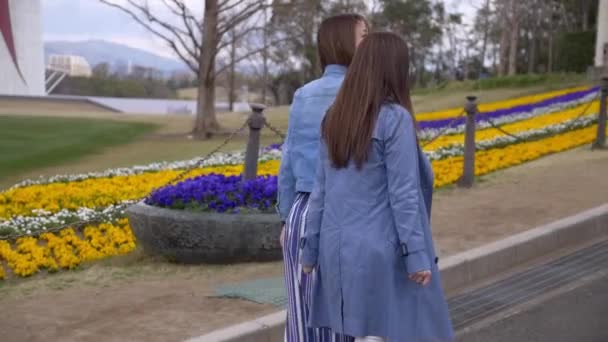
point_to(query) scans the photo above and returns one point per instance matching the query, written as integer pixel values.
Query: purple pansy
(219, 193)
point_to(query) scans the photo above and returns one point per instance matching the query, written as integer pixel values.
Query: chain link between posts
(444, 130)
(568, 126)
(275, 130)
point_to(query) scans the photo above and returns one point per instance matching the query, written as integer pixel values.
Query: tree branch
(251, 53)
(237, 36)
(169, 39)
(224, 7)
(175, 31)
(243, 15)
(154, 19)
(187, 17)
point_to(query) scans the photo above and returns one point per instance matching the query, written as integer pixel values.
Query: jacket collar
(334, 69)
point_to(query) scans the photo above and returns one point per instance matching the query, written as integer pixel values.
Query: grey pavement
(577, 313)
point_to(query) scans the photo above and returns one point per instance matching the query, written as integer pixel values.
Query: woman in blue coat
(367, 231)
(337, 40)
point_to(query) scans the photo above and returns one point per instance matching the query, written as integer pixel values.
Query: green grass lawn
(28, 143)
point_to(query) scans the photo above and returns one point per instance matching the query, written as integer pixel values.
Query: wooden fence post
(256, 122)
(600, 139)
(468, 172)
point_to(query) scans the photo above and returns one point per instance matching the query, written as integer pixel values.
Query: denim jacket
(300, 150)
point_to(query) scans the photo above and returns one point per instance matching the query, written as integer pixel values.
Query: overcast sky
(89, 19)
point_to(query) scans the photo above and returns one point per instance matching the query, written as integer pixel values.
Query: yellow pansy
(67, 249)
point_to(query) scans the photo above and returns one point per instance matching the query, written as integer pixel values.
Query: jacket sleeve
(401, 154)
(286, 181)
(314, 218)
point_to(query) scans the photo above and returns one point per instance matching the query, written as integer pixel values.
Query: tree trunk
(206, 122)
(504, 40)
(513, 48)
(536, 36)
(503, 53)
(550, 58)
(495, 58)
(421, 80)
(585, 18)
(465, 69)
(309, 40)
(484, 46)
(532, 55)
(231, 77)
(439, 66)
(265, 59)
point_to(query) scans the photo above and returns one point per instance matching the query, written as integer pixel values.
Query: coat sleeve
(401, 154)
(286, 181)
(314, 218)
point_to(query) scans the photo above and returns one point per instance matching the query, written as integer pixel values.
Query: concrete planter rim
(141, 207)
(205, 237)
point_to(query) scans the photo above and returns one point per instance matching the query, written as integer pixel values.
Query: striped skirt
(299, 284)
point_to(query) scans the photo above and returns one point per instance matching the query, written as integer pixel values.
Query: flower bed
(518, 110)
(500, 105)
(66, 249)
(536, 127)
(428, 129)
(217, 192)
(35, 206)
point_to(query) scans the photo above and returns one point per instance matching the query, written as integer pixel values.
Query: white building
(601, 47)
(21, 51)
(71, 65)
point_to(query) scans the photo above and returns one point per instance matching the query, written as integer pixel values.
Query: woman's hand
(282, 237)
(307, 269)
(422, 277)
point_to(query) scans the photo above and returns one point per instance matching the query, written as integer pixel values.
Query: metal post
(256, 122)
(468, 173)
(600, 140)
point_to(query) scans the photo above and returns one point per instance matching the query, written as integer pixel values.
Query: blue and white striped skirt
(299, 284)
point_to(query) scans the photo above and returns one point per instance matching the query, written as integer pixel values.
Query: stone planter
(190, 237)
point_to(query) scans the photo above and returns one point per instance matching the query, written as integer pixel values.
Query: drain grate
(473, 306)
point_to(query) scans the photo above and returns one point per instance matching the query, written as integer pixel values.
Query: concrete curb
(466, 268)
(461, 269)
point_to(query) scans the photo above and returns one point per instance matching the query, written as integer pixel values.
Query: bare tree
(503, 9)
(514, 30)
(232, 75)
(485, 13)
(197, 41)
(300, 21)
(535, 28)
(510, 12)
(265, 58)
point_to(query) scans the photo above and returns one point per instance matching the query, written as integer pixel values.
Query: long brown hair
(379, 73)
(336, 39)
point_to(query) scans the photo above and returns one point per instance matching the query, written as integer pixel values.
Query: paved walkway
(574, 313)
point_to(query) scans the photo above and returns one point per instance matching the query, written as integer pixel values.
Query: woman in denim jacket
(368, 229)
(337, 40)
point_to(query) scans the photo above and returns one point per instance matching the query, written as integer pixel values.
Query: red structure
(7, 33)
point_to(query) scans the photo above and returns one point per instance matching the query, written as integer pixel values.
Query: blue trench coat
(366, 231)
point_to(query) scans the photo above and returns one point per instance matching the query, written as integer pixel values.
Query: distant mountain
(117, 55)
